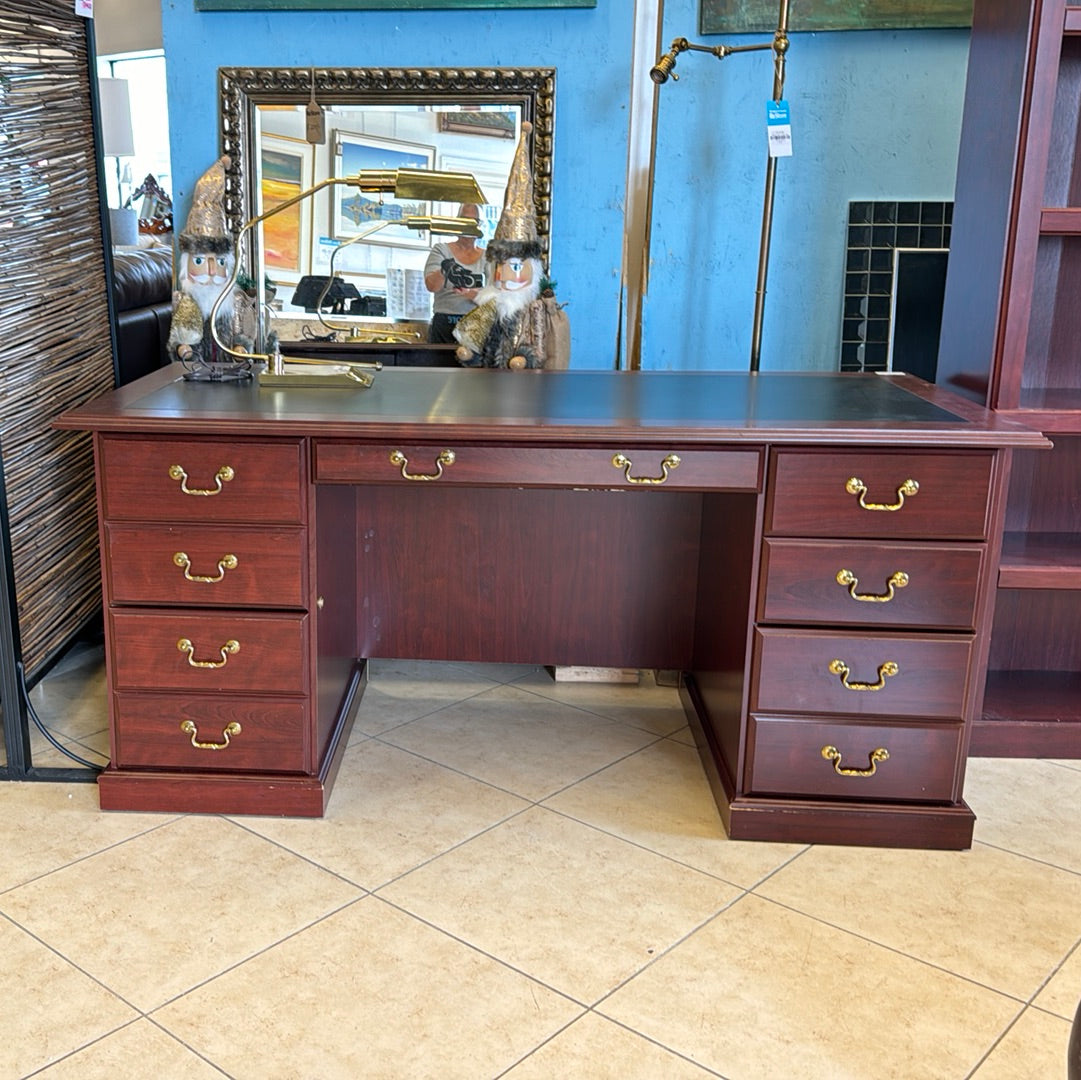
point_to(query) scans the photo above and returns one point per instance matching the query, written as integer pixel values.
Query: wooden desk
(259, 545)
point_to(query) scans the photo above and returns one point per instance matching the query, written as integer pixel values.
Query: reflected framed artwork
(354, 212)
(760, 16)
(285, 170)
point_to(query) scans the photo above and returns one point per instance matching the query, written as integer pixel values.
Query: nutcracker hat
(205, 229)
(516, 233)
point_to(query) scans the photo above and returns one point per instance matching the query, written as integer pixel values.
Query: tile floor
(525, 879)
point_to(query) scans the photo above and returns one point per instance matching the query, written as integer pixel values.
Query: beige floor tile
(684, 735)
(43, 755)
(597, 1049)
(1033, 1049)
(1026, 806)
(154, 916)
(402, 690)
(138, 1050)
(44, 826)
(1063, 990)
(519, 741)
(769, 994)
(48, 1008)
(646, 705)
(372, 993)
(73, 701)
(573, 907)
(944, 907)
(390, 812)
(660, 798)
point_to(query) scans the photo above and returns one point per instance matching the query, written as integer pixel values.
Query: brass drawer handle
(831, 753)
(230, 648)
(446, 457)
(855, 486)
(227, 733)
(839, 667)
(621, 461)
(222, 476)
(226, 562)
(897, 580)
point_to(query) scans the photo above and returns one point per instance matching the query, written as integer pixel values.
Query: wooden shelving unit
(1011, 337)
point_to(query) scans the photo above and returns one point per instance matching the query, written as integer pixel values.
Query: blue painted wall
(875, 115)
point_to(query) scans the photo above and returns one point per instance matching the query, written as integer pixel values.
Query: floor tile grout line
(261, 951)
(170, 819)
(1025, 855)
(889, 948)
(474, 947)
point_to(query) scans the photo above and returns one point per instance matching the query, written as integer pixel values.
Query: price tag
(779, 128)
(85, 8)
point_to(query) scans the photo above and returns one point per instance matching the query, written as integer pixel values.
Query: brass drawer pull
(227, 733)
(897, 580)
(446, 457)
(227, 562)
(621, 461)
(223, 475)
(857, 487)
(831, 753)
(839, 667)
(230, 648)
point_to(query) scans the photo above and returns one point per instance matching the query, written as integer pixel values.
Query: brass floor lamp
(660, 73)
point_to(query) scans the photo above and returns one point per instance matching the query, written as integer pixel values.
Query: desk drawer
(236, 733)
(207, 566)
(819, 494)
(238, 652)
(864, 583)
(201, 480)
(638, 468)
(786, 757)
(805, 672)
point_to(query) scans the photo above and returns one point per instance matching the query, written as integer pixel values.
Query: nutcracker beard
(504, 329)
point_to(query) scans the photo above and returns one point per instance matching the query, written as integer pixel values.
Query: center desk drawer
(201, 480)
(867, 674)
(210, 732)
(201, 650)
(869, 583)
(883, 494)
(207, 566)
(612, 467)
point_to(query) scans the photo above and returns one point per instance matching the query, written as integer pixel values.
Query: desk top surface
(578, 406)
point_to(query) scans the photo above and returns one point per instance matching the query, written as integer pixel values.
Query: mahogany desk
(814, 551)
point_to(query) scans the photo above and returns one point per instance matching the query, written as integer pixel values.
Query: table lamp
(419, 184)
(117, 141)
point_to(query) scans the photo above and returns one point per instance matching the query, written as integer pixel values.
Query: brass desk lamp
(660, 73)
(420, 184)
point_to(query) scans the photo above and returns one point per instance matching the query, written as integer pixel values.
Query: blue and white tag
(779, 128)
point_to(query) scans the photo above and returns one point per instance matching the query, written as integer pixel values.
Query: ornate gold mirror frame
(242, 91)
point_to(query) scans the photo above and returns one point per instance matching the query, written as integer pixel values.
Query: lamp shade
(117, 139)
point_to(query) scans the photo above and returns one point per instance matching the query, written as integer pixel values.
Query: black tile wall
(875, 229)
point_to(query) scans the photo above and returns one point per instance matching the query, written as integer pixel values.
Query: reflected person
(454, 273)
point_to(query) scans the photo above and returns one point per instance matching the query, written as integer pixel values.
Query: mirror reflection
(287, 129)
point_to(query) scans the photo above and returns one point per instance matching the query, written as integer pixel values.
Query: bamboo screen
(55, 348)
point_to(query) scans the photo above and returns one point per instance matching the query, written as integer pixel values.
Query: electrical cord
(48, 735)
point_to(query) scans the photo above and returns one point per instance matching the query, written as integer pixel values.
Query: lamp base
(124, 228)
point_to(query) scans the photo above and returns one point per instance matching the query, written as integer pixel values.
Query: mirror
(464, 120)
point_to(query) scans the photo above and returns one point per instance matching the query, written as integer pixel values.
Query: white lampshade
(117, 139)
